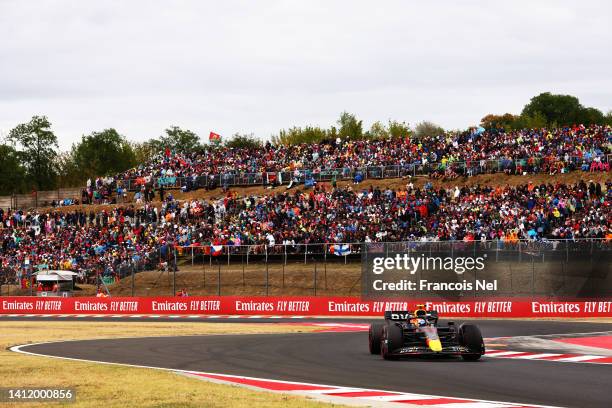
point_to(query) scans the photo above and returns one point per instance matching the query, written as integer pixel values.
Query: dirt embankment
(395, 183)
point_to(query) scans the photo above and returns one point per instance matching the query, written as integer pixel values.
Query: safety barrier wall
(40, 198)
(299, 306)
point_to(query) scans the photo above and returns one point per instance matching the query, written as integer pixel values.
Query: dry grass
(201, 280)
(116, 386)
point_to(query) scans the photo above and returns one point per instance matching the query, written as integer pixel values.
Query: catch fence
(553, 268)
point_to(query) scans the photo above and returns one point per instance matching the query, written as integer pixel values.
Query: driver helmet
(420, 311)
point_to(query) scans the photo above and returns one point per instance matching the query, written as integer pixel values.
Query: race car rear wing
(403, 315)
(398, 315)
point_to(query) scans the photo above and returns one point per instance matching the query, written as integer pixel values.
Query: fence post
(532, 277)
(218, 278)
(267, 272)
(192, 256)
(133, 273)
(242, 263)
(497, 251)
(174, 275)
(325, 263)
(315, 276)
(305, 252)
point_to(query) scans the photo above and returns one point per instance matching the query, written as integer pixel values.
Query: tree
(535, 121)
(608, 118)
(377, 131)
(398, 129)
(102, 153)
(393, 130)
(297, 135)
(12, 173)
(180, 139)
(506, 121)
(592, 116)
(243, 141)
(428, 129)
(37, 146)
(143, 151)
(350, 128)
(562, 110)
(69, 175)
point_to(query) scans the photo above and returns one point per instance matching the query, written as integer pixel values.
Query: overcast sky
(259, 66)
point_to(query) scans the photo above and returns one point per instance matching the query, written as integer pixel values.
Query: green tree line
(548, 110)
(30, 158)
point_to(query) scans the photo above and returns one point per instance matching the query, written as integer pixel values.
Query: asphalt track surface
(343, 359)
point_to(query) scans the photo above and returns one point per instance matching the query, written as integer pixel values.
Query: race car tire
(392, 339)
(375, 337)
(471, 337)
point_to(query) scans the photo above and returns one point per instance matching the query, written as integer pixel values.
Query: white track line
(580, 358)
(503, 353)
(404, 396)
(536, 356)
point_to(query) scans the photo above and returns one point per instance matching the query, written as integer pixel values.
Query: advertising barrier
(298, 306)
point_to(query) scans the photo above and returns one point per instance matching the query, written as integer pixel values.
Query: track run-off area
(530, 363)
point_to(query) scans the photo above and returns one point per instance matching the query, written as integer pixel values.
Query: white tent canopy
(55, 276)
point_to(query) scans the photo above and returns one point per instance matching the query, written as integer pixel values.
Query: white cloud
(247, 66)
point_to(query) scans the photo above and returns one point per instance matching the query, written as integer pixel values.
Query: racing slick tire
(392, 339)
(375, 337)
(471, 337)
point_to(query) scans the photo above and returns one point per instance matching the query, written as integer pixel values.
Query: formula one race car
(416, 333)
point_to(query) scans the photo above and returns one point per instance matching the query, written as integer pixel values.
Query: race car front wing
(424, 350)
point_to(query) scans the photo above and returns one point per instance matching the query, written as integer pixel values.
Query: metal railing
(471, 168)
(238, 179)
(543, 268)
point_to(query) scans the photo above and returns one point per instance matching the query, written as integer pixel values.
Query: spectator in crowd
(109, 243)
(446, 156)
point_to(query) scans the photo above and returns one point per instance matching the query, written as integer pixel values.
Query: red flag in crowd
(214, 137)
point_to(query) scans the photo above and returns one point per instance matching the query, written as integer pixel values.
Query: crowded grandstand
(150, 220)
(446, 156)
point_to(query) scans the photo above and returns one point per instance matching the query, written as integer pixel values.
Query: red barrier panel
(298, 306)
